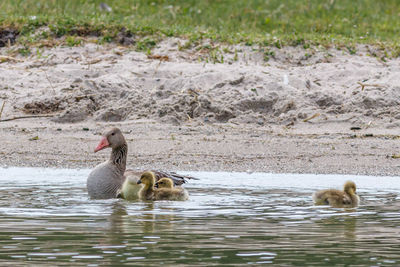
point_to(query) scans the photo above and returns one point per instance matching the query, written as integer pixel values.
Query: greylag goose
(338, 199)
(107, 178)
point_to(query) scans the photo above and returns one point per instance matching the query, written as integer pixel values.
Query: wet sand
(213, 147)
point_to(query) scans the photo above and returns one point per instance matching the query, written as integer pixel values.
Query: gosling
(148, 179)
(166, 191)
(338, 199)
(130, 189)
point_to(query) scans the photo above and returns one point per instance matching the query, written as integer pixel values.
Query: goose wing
(177, 178)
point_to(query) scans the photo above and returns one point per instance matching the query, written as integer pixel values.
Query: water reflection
(47, 219)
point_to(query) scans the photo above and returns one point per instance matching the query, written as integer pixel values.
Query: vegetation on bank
(265, 22)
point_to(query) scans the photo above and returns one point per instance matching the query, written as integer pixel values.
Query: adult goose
(338, 199)
(106, 179)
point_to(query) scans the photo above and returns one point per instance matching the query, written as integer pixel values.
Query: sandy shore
(214, 147)
(303, 111)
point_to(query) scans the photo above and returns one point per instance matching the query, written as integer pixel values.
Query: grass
(266, 22)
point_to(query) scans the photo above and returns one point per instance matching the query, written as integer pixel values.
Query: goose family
(144, 188)
(106, 179)
(111, 179)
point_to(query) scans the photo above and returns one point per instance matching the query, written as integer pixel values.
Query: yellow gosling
(130, 189)
(167, 191)
(148, 179)
(338, 199)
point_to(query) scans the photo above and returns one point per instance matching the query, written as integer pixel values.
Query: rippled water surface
(231, 218)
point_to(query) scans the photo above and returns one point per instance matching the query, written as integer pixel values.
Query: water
(231, 218)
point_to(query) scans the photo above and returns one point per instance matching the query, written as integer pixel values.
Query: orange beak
(103, 144)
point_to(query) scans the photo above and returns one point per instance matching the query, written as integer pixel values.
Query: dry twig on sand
(363, 85)
(312, 117)
(160, 57)
(91, 62)
(27, 117)
(8, 58)
(2, 107)
(47, 77)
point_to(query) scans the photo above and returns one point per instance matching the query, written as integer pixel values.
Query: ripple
(23, 238)
(87, 257)
(256, 254)
(230, 219)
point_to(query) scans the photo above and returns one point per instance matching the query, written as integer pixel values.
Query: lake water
(46, 218)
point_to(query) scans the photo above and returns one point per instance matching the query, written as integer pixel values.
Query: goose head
(113, 138)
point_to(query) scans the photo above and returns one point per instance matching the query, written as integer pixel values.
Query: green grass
(266, 22)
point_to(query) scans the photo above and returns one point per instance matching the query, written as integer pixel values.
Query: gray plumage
(106, 179)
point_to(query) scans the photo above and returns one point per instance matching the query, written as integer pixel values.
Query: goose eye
(112, 133)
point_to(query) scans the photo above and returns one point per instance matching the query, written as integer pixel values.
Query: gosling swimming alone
(338, 199)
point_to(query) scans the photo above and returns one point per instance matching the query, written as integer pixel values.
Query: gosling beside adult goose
(107, 178)
(148, 180)
(338, 199)
(130, 189)
(166, 191)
